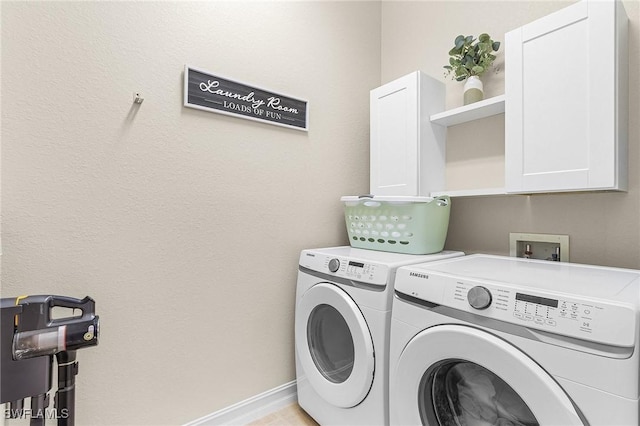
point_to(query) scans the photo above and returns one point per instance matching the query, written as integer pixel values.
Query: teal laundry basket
(411, 225)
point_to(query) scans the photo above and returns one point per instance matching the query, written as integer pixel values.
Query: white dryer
(490, 340)
(342, 321)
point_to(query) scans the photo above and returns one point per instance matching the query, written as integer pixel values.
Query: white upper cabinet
(407, 150)
(566, 106)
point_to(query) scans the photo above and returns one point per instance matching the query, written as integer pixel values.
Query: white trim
(252, 408)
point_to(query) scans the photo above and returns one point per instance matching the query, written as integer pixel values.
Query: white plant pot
(473, 90)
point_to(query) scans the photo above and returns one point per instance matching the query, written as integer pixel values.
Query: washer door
(334, 345)
(459, 375)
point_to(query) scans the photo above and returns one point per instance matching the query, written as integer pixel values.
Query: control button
(538, 320)
(479, 297)
(334, 265)
(528, 317)
(518, 315)
(551, 322)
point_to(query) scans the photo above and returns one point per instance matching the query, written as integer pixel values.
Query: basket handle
(442, 201)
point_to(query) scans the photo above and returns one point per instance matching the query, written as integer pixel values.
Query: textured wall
(184, 225)
(603, 228)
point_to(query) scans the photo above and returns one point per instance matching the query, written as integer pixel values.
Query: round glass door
(334, 345)
(464, 376)
(330, 343)
(457, 392)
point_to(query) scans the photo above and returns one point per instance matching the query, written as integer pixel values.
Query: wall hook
(137, 98)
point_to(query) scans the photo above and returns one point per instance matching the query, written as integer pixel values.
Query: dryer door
(455, 374)
(334, 345)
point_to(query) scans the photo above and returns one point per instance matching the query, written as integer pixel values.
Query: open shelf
(471, 192)
(474, 111)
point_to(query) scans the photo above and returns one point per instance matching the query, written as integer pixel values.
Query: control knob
(334, 265)
(479, 297)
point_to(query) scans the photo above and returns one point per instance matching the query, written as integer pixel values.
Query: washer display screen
(537, 299)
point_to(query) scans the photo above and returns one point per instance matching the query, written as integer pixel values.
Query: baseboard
(251, 409)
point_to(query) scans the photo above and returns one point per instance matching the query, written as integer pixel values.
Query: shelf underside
(474, 111)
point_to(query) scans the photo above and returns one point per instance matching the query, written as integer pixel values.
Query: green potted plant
(468, 60)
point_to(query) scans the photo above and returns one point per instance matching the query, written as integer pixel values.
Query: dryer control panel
(344, 267)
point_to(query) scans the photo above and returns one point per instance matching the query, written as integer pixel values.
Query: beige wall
(185, 226)
(604, 228)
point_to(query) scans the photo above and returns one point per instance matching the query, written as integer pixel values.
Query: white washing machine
(490, 340)
(342, 321)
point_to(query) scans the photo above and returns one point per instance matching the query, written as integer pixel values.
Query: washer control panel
(603, 321)
(479, 297)
(580, 318)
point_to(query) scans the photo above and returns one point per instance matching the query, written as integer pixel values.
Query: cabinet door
(561, 105)
(395, 137)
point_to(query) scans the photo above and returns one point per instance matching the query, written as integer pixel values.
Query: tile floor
(291, 415)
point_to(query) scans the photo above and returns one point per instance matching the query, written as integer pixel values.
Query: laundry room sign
(209, 92)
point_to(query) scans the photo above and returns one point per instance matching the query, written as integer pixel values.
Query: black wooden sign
(208, 92)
